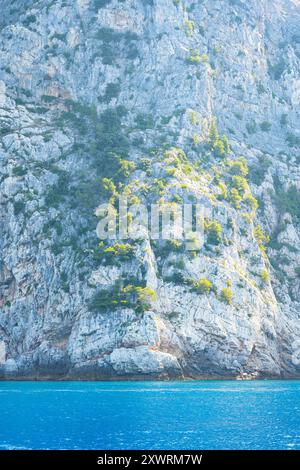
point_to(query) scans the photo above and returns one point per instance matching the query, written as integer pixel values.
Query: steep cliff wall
(142, 93)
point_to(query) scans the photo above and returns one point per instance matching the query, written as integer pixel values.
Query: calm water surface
(151, 415)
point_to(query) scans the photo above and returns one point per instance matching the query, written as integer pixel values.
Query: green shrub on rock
(265, 126)
(119, 251)
(137, 298)
(251, 202)
(235, 198)
(227, 295)
(213, 229)
(261, 237)
(240, 183)
(220, 146)
(109, 186)
(203, 286)
(265, 276)
(238, 167)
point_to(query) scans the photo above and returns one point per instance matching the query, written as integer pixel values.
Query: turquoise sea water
(150, 415)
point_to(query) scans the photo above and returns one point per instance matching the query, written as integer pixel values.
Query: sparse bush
(119, 251)
(227, 295)
(203, 286)
(220, 146)
(159, 185)
(251, 201)
(114, 42)
(196, 58)
(145, 164)
(260, 88)
(52, 198)
(19, 207)
(196, 139)
(144, 298)
(29, 20)
(144, 121)
(174, 245)
(235, 198)
(260, 237)
(48, 98)
(251, 127)
(257, 172)
(240, 183)
(293, 140)
(238, 167)
(126, 168)
(175, 156)
(112, 90)
(194, 118)
(288, 201)
(214, 232)
(265, 126)
(109, 186)
(265, 276)
(223, 191)
(136, 297)
(179, 263)
(283, 120)
(226, 144)
(176, 278)
(189, 27)
(213, 135)
(177, 198)
(19, 171)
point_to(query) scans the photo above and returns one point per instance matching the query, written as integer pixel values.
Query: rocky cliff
(159, 100)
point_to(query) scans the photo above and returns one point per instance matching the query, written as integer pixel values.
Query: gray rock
(136, 55)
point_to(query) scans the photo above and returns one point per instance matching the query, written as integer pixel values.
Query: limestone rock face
(130, 91)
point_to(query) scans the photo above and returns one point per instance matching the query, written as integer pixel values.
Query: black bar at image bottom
(134, 459)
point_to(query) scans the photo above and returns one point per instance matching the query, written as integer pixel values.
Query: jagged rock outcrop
(130, 91)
